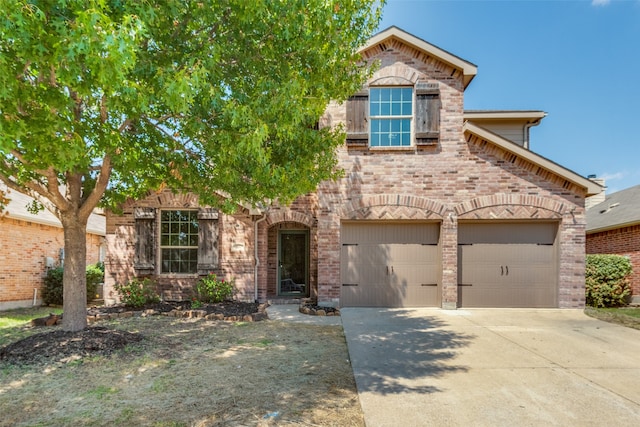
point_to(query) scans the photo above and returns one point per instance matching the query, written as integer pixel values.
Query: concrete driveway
(493, 367)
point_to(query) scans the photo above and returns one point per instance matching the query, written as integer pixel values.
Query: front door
(293, 263)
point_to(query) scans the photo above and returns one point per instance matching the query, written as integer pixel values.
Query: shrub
(607, 280)
(137, 293)
(210, 289)
(95, 276)
(52, 290)
(52, 293)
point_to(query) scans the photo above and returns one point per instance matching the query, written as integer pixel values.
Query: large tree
(101, 100)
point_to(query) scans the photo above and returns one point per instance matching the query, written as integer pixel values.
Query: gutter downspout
(257, 259)
(526, 132)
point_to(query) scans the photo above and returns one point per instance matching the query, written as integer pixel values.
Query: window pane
(374, 95)
(385, 94)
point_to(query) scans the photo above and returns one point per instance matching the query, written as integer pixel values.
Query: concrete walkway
(430, 367)
(291, 313)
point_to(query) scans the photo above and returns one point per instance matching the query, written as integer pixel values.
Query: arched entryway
(290, 272)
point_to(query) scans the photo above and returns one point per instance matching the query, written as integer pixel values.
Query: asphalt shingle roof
(619, 209)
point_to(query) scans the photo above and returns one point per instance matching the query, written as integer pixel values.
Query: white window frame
(390, 117)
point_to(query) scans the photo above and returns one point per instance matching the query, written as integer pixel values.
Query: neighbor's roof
(619, 209)
(468, 69)
(17, 209)
(591, 187)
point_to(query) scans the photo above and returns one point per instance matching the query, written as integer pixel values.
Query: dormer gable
(395, 38)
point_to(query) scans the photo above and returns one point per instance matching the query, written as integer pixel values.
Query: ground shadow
(393, 351)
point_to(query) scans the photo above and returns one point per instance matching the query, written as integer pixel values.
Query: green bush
(52, 290)
(607, 280)
(52, 293)
(210, 289)
(137, 292)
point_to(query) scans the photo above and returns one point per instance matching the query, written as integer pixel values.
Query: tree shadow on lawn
(395, 351)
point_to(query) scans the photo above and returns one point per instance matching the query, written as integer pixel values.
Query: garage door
(390, 265)
(507, 265)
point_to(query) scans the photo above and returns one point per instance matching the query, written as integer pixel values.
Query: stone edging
(313, 312)
(189, 314)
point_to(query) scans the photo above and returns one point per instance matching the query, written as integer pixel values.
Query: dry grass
(193, 373)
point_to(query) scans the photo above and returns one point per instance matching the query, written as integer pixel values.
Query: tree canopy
(102, 100)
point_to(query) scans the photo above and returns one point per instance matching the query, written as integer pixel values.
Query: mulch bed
(56, 345)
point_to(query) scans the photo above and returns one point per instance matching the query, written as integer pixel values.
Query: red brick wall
(24, 247)
(235, 245)
(462, 178)
(622, 241)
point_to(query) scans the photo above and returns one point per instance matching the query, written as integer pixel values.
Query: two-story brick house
(437, 207)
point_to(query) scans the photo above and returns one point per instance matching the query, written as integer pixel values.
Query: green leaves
(201, 97)
(607, 280)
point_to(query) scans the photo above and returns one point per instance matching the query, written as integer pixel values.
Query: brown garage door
(390, 265)
(507, 265)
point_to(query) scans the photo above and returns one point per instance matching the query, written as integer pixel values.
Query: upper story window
(390, 112)
(394, 116)
(179, 241)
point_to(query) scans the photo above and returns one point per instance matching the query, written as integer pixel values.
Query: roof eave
(611, 227)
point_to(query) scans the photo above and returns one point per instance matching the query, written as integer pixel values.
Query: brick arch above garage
(512, 206)
(393, 206)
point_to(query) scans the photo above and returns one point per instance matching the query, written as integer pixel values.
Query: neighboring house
(613, 227)
(30, 244)
(437, 207)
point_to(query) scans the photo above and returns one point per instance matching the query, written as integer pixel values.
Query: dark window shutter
(427, 126)
(358, 119)
(145, 225)
(208, 258)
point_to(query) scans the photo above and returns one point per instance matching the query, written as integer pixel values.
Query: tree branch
(98, 190)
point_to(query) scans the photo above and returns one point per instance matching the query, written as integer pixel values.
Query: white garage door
(390, 264)
(507, 264)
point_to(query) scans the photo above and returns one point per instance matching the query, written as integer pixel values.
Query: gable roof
(590, 186)
(619, 209)
(17, 209)
(468, 69)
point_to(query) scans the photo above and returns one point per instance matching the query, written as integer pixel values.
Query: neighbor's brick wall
(25, 245)
(622, 241)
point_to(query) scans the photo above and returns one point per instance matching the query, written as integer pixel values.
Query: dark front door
(293, 263)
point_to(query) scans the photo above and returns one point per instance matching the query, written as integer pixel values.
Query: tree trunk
(75, 278)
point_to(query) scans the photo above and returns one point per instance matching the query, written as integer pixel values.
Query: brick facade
(462, 177)
(620, 241)
(25, 246)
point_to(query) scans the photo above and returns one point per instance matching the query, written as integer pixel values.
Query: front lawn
(185, 372)
(626, 316)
